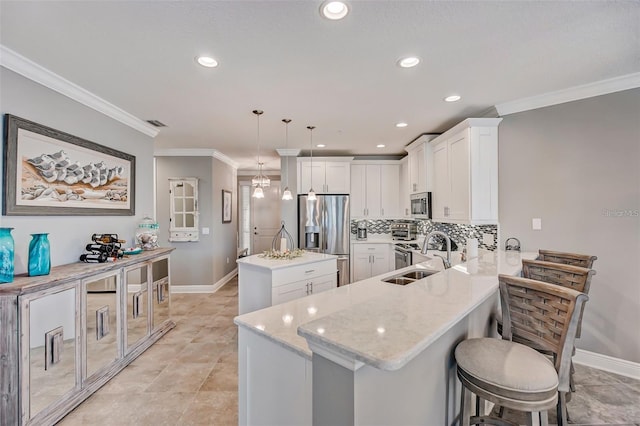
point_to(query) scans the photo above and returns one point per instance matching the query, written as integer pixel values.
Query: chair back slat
(575, 277)
(582, 260)
(543, 313)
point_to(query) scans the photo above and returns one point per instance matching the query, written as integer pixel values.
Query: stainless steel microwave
(421, 205)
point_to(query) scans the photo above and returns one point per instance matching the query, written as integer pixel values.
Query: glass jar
(6, 255)
(39, 255)
(147, 234)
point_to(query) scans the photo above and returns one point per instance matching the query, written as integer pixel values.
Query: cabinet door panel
(361, 266)
(325, 283)
(459, 168)
(311, 175)
(389, 195)
(441, 183)
(161, 300)
(380, 264)
(290, 291)
(358, 197)
(137, 296)
(101, 322)
(51, 344)
(337, 177)
(373, 191)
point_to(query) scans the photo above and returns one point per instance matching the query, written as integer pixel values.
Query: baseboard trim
(204, 289)
(608, 363)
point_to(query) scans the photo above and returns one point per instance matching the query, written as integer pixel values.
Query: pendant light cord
(286, 122)
(258, 113)
(311, 146)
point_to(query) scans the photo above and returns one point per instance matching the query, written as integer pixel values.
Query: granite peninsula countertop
(381, 324)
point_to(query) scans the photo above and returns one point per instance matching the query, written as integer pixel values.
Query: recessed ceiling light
(334, 10)
(320, 145)
(207, 61)
(380, 145)
(452, 98)
(409, 62)
(401, 124)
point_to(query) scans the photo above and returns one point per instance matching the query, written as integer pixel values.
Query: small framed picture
(226, 206)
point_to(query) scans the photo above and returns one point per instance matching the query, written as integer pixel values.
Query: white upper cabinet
(374, 190)
(405, 201)
(326, 176)
(420, 173)
(465, 173)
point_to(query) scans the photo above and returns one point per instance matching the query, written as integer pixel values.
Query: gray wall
(289, 209)
(568, 165)
(69, 235)
(203, 262)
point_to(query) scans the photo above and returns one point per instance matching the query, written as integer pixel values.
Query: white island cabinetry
(354, 354)
(263, 282)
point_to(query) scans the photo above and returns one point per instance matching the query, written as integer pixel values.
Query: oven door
(403, 259)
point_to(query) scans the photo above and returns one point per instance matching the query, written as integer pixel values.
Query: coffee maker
(361, 230)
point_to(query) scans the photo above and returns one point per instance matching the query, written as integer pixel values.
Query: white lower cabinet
(370, 260)
(260, 285)
(298, 289)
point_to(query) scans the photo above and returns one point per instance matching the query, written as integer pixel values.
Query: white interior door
(265, 218)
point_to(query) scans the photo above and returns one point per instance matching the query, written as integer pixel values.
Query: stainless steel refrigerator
(323, 227)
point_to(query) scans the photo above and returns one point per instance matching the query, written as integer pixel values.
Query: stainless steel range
(403, 254)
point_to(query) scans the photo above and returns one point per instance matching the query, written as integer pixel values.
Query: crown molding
(288, 152)
(195, 152)
(27, 68)
(603, 87)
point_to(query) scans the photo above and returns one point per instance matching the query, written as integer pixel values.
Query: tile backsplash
(458, 233)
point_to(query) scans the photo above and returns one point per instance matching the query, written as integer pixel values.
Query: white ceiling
(340, 76)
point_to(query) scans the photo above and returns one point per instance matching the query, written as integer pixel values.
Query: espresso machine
(361, 230)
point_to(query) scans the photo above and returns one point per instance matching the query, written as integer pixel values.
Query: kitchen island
(263, 281)
(370, 352)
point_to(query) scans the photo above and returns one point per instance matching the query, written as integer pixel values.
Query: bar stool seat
(507, 373)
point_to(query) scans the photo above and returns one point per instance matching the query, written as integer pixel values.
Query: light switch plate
(488, 239)
(205, 231)
(536, 224)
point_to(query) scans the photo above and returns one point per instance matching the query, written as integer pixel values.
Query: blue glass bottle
(6, 255)
(39, 255)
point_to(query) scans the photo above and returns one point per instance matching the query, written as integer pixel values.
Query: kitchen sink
(409, 277)
(419, 274)
(398, 280)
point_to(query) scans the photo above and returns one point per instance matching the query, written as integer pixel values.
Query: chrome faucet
(447, 261)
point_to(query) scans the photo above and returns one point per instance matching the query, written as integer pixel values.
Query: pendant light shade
(286, 195)
(311, 196)
(259, 181)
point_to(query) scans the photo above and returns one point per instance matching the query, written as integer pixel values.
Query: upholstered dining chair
(583, 260)
(514, 375)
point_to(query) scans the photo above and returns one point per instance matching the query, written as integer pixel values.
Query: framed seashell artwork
(49, 172)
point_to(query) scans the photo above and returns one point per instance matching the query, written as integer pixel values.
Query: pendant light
(286, 195)
(258, 192)
(311, 196)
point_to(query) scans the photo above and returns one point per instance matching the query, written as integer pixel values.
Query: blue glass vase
(6, 255)
(39, 255)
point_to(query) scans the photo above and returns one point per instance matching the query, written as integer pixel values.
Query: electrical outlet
(488, 239)
(536, 224)
(227, 260)
(205, 231)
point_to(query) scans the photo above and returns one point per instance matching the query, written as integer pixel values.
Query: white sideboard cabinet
(66, 334)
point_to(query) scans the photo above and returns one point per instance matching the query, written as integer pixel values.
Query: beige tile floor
(190, 377)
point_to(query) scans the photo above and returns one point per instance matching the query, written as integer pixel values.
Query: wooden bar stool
(582, 260)
(516, 376)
